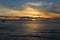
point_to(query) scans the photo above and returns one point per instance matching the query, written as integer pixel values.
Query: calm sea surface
(29, 30)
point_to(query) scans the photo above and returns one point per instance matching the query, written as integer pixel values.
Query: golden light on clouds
(28, 11)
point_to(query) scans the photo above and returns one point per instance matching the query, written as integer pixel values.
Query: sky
(42, 8)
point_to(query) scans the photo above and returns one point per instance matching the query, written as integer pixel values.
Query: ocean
(29, 30)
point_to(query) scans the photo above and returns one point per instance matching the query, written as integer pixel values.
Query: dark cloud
(55, 9)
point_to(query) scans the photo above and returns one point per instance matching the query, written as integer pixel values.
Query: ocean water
(29, 30)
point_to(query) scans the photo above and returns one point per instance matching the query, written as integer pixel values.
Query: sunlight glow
(28, 11)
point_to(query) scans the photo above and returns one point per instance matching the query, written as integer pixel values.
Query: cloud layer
(28, 10)
(37, 4)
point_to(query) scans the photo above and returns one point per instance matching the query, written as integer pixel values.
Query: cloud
(8, 12)
(28, 11)
(55, 9)
(36, 12)
(36, 4)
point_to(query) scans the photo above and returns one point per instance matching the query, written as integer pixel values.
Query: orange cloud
(28, 11)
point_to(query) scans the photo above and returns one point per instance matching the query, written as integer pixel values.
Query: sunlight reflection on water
(32, 27)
